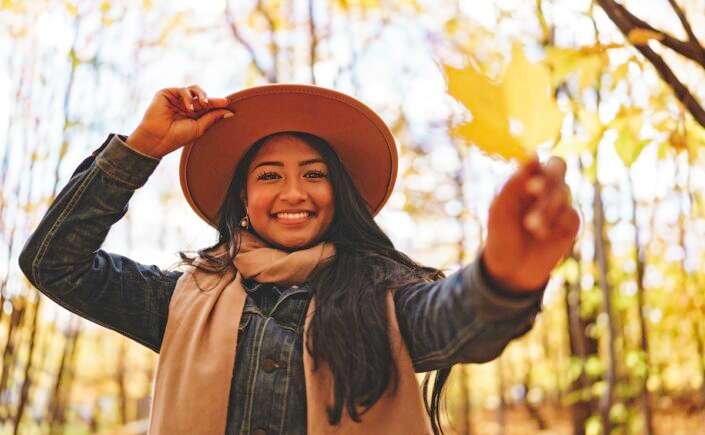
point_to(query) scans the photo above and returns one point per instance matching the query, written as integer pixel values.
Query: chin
(295, 244)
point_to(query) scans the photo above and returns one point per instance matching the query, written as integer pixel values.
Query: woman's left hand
(532, 225)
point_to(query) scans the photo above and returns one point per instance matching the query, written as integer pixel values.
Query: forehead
(285, 147)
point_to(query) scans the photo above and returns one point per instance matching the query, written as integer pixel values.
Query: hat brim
(361, 139)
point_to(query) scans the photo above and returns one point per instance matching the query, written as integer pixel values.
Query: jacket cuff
(493, 302)
(124, 164)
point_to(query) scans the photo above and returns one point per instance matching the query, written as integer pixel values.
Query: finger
(187, 99)
(200, 93)
(175, 102)
(536, 185)
(200, 97)
(555, 169)
(537, 219)
(197, 100)
(515, 187)
(568, 222)
(559, 198)
(218, 102)
(530, 166)
(207, 120)
(533, 222)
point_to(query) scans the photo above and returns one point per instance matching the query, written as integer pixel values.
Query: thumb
(208, 119)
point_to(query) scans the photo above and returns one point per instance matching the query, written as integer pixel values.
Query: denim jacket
(464, 318)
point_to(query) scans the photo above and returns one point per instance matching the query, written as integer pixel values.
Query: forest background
(611, 87)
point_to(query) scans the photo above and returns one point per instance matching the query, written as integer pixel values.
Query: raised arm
(464, 318)
(62, 257)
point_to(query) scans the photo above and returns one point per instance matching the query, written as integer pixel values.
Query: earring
(245, 222)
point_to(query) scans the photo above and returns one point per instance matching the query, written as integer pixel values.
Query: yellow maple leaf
(511, 116)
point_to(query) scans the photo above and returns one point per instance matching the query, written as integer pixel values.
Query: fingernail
(535, 185)
(533, 221)
(228, 115)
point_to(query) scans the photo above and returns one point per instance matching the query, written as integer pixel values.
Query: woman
(332, 321)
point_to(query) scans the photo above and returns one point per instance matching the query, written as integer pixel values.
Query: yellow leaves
(270, 16)
(370, 5)
(682, 134)
(628, 143)
(14, 6)
(593, 129)
(511, 116)
(105, 19)
(451, 25)
(677, 140)
(71, 8)
(346, 5)
(75, 60)
(640, 36)
(587, 62)
(620, 72)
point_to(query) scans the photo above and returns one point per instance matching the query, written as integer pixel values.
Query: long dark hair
(350, 320)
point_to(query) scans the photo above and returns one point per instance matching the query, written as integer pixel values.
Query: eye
(317, 174)
(267, 176)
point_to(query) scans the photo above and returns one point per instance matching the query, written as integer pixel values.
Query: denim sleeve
(463, 318)
(62, 257)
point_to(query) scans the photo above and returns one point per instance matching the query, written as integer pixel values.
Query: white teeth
(292, 216)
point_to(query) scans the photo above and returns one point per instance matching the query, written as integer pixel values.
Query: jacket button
(259, 432)
(269, 365)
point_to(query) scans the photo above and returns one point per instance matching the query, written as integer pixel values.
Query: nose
(293, 191)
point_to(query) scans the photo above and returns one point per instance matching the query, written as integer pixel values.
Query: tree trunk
(19, 306)
(121, 378)
(502, 406)
(601, 252)
(640, 261)
(28, 379)
(533, 411)
(64, 380)
(581, 347)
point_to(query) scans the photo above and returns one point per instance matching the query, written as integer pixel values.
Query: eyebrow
(301, 163)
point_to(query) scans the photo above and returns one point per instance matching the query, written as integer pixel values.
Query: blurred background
(613, 87)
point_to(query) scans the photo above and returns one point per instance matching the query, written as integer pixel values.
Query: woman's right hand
(176, 117)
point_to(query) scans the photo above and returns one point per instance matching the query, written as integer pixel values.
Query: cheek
(259, 202)
(324, 198)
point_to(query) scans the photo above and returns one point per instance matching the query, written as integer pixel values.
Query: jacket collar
(252, 286)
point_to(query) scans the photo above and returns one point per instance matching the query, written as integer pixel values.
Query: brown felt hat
(362, 140)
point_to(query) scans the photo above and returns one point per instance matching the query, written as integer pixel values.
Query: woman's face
(289, 197)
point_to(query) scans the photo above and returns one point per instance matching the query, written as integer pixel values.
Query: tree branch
(236, 33)
(684, 21)
(626, 21)
(273, 47)
(313, 42)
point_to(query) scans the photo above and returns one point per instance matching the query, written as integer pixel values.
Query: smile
(294, 218)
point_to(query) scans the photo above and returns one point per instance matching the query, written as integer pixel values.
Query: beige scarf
(192, 382)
